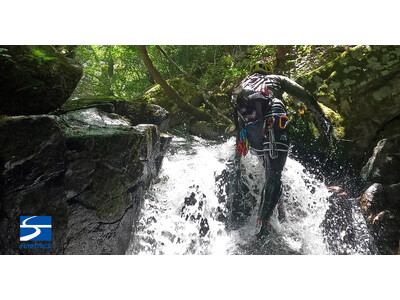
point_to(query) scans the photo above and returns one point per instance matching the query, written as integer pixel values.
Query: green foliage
(302, 59)
(114, 71)
(3, 53)
(39, 55)
(118, 71)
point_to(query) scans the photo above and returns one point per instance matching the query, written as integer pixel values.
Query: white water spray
(181, 210)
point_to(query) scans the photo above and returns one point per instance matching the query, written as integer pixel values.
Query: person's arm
(294, 89)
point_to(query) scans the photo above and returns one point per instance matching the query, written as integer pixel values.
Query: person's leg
(273, 173)
(272, 189)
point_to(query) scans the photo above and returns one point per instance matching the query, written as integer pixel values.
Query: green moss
(334, 85)
(336, 119)
(347, 82)
(186, 89)
(85, 102)
(374, 64)
(349, 69)
(382, 93)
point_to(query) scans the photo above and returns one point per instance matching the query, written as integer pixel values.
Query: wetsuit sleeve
(296, 90)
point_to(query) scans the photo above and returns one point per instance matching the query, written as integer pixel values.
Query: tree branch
(202, 87)
(201, 115)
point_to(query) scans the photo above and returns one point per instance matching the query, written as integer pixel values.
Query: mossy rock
(103, 160)
(363, 86)
(136, 111)
(207, 130)
(35, 79)
(85, 102)
(187, 90)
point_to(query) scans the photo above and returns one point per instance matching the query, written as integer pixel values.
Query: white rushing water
(181, 210)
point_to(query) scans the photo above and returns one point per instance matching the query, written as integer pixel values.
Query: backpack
(253, 99)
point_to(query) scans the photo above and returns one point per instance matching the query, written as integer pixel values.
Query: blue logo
(34, 228)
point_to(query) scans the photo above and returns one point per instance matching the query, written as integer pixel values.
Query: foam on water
(180, 210)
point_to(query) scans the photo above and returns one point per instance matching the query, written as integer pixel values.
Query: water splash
(188, 209)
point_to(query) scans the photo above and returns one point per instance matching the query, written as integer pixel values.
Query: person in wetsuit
(261, 115)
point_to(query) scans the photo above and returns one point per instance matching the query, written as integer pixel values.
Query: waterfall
(204, 203)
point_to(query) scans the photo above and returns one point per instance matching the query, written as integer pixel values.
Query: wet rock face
(143, 113)
(362, 85)
(384, 164)
(104, 163)
(208, 130)
(136, 112)
(86, 168)
(32, 157)
(381, 210)
(381, 201)
(35, 79)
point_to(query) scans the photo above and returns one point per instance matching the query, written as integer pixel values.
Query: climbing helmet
(262, 67)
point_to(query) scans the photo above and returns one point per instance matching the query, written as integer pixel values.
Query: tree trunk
(202, 88)
(280, 53)
(200, 115)
(228, 49)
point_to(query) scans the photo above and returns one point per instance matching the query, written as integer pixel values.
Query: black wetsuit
(271, 132)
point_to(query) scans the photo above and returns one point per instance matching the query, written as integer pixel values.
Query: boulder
(381, 207)
(373, 198)
(86, 168)
(108, 163)
(137, 112)
(208, 130)
(362, 85)
(143, 113)
(384, 165)
(189, 91)
(381, 201)
(32, 159)
(35, 79)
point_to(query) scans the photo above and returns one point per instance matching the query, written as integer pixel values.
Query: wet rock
(385, 226)
(32, 157)
(32, 150)
(86, 168)
(103, 166)
(383, 165)
(381, 201)
(392, 195)
(35, 79)
(373, 197)
(188, 90)
(137, 112)
(381, 208)
(208, 130)
(362, 85)
(143, 113)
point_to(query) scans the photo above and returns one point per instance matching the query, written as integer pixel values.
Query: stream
(205, 202)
